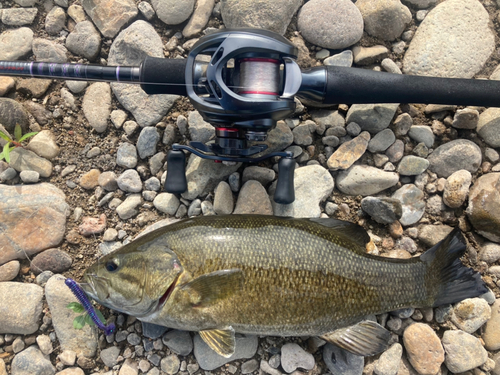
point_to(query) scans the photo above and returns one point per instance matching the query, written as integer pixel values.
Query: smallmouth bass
(267, 275)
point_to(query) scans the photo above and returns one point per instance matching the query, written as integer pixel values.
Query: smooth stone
(454, 156)
(33, 86)
(82, 341)
(54, 260)
(456, 188)
(489, 252)
(130, 47)
(55, 20)
(381, 209)
(29, 177)
(307, 196)
(488, 126)
(484, 208)
(364, 180)
(372, 117)
(412, 201)
(84, 40)
(6, 84)
(44, 145)
(45, 344)
(435, 52)
(48, 51)
(167, 203)
(76, 87)
(109, 356)
(349, 152)
(90, 179)
(173, 12)
(246, 347)
(146, 10)
(18, 16)
(38, 210)
(345, 58)
(463, 351)
(423, 348)
(253, 199)
(422, 133)
(96, 105)
(77, 13)
(466, 118)
(430, 235)
(92, 225)
(32, 362)
(328, 118)
(152, 184)
(369, 55)
(128, 208)
(179, 342)
(261, 174)
(147, 142)
(223, 199)
(342, 362)
(15, 44)
(170, 364)
(126, 156)
(470, 314)
(107, 180)
(199, 19)
(12, 113)
(376, 14)
(152, 331)
(388, 363)
(199, 129)
(491, 335)
(9, 270)
(422, 4)
(294, 357)
(20, 307)
(273, 15)
(412, 166)
(110, 15)
(381, 141)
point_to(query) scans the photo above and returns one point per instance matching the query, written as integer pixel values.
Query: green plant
(13, 143)
(80, 321)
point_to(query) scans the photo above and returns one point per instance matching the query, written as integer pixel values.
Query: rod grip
(285, 190)
(163, 76)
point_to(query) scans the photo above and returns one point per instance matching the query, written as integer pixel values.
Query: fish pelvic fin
(449, 281)
(222, 341)
(366, 338)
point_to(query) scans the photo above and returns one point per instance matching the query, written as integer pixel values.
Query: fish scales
(304, 279)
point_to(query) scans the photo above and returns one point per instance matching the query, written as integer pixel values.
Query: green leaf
(100, 316)
(26, 136)
(89, 320)
(79, 322)
(5, 136)
(76, 307)
(18, 132)
(6, 152)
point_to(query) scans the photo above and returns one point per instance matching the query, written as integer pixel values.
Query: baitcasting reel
(243, 81)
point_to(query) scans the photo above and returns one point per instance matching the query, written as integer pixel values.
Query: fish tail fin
(449, 280)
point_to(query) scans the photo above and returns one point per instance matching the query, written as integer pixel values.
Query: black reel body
(242, 82)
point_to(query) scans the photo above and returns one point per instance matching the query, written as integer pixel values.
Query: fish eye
(111, 266)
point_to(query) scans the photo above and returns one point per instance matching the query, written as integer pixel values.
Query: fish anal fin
(366, 338)
(346, 229)
(222, 341)
(215, 286)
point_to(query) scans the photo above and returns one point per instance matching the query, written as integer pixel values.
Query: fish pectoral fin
(222, 341)
(352, 232)
(366, 338)
(214, 286)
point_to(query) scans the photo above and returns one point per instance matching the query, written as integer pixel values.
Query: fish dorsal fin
(365, 338)
(215, 286)
(222, 341)
(351, 231)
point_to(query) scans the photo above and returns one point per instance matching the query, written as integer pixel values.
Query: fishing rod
(243, 81)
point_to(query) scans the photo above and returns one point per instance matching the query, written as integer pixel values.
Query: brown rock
(92, 225)
(54, 260)
(9, 271)
(349, 152)
(6, 83)
(110, 15)
(33, 219)
(90, 179)
(424, 349)
(491, 334)
(199, 18)
(41, 115)
(35, 87)
(253, 199)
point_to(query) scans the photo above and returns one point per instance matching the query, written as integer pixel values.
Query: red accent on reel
(258, 92)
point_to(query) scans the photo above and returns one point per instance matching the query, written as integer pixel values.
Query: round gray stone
(84, 40)
(365, 180)
(381, 141)
(223, 199)
(96, 105)
(342, 362)
(412, 165)
(55, 20)
(130, 181)
(32, 361)
(454, 156)
(377, 13)
(372, 117)
(126, 156)
(180, 342)
(412, 200)
(166, 203)
(463, 351)
(173, 12)
(147, 142)
(422, 133)
(488, 126)
(294, 357)
(15, 43)
(382, 210)
(199, 129)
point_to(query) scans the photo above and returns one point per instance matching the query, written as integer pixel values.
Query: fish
(224, 276)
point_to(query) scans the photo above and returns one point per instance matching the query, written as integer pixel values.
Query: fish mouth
(163, 299)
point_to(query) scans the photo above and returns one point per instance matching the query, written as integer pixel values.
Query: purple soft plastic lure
(82, 297)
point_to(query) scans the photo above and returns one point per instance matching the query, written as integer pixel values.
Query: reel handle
(176, 177)
(285, 190)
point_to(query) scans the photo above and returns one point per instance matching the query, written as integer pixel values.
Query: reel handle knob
(176, 177)
(285, 190)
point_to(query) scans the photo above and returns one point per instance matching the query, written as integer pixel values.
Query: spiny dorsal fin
(365, 338)
(214, 286)
(351, 231)
(222, 341)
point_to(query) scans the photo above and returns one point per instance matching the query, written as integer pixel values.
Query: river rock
(456, 188)
(412, 201)
(33, 219)
(126, 156)
(484, 206)
(388, 363)
(491, 335)
(372, 117)
(377, 13)
(489, 252)
(32, 361)
(488, 126)
(9, 270)
(424, 349)
(274, 15)
(349, 152)
(54, 260)
(223, 199)
(12, 113)
(463, 351)
(55, 20)
(110, 15)
(167, 203)
(48, 51)
(15, 43)
(365, 180)
(466, 118)
(342, 362)
(199, 129)
(20, 307)
(253, 199)
(331, 24)
(18, 16)
(128, 208)
(96, 105)
(470, 314)
(44, 144)
(261, 174)
(294, 357)
(381, 209)
(278, 138)
(84, 40)
(82, 341)
(173, 12)
(307, 196)
(412, 165)
(147, 142)
(454, 156)
(422, 134)
(454, 40)
(199, 19)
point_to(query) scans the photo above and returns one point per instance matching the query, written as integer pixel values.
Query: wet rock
(54, 260)
(342, 362)
(110, 15)
(82, 341)
(382, 210)
(491, 335)
(463, 351)
(15, 44)
(484, 206)
(9, 270)
(21, 307)
(179, 342)
(377, 13)
(223, 199)
(274, 15)
(460, 57)
(96, 105)
(84, 40)
(372, 117)
(456, 188)
(412, 201)
(488, 126)
(365, 180)
(470, 314)
(294, 357)
(454, 156)
(423, 348)
(348, 152)
(92, 225)
(253, 199)
(32, 361)
(41, 210)
(199, 129)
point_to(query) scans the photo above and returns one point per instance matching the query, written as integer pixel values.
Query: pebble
(412, 166)
(253, 199)
(223, 199)
(342, 362)
(130, 181)
(6, 84)
(31, 361)
(294, 357)
(118, 117)
(390, 66)
(249, 367)
(454, 156)
(463, 351)
(381, 141)
(422, 134)
(92, 225)
(147, 142)
(261, 174)
(128, 208)
(179, 342)
(489, 125)
(491, 332)
(90, 179)
(107, 180)
(194, 208)
(432, 234)
(167, 203)
(54, 260)
(489, 252)
(109, 356)
(472, 46)
(156, 162)
(147, 11)
(67, 357)
(302, 135)
(483, 210)
(424, 349)
(466, 118)
(25, 160)
(45, 344)
(365, 180)
(372, 117)
(383, 210)
(413, 204)
(18, 16)
(76, 87)
(29, 177)
(9, 270)
(48, 51)
(470, 314)
(130, 127)
(456, 188)
(388, 363)
(369, 55)
(15, 43)
(126, 156)
(55, 20)
(96, 105)
(84, 41)
(376, 13)
(77, 13)
(349, 152)
(110, 22)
